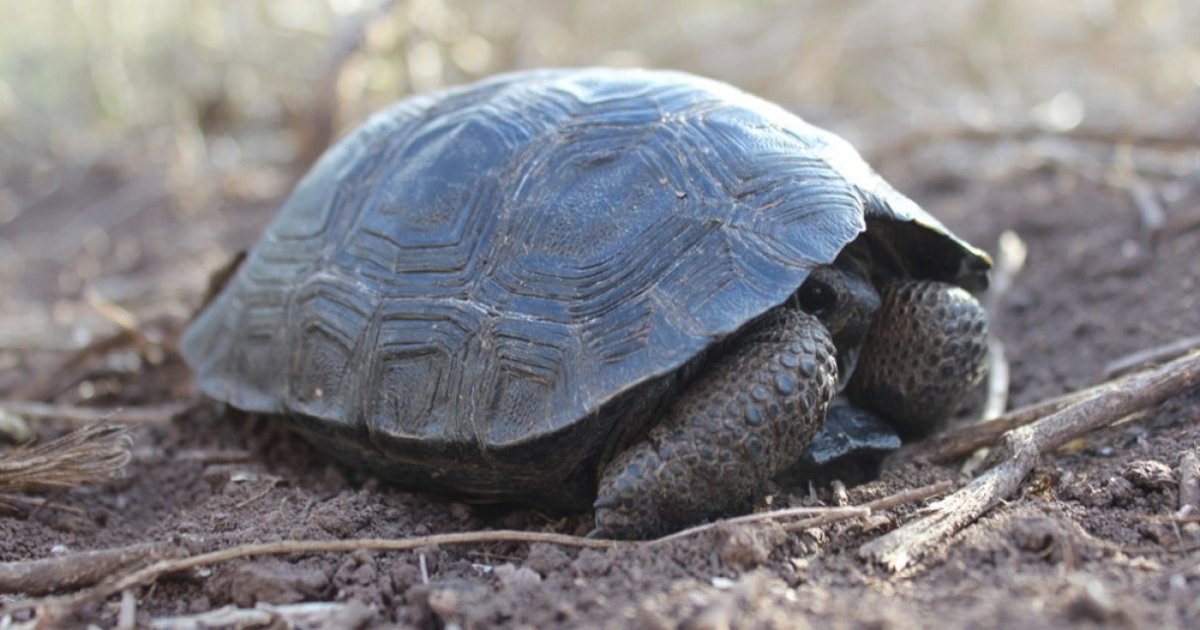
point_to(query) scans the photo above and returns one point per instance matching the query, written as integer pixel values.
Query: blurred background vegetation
(116, 113)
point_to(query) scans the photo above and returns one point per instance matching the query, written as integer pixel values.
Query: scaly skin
(925, 352)
(753, 413)
(757, 408)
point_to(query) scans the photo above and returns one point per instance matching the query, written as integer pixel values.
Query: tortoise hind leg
(738, 424)
(926, 351)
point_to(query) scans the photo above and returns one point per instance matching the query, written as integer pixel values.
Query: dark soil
(1088, 541)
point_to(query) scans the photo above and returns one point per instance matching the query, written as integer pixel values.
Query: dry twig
(823, 515)
(90, 455)
(1189, 481)
(57, 573)
(1141, 358)
(963, 440)
(1150, 211)
(74, 368)
(998, 381)
(59, 608)
(127, 614)
(878, 505)
(271, 485)
(85, 416)
(304, 615)
(834, 514)
(116, 314)
(39, 504)
(1019, 452)
(1011, 253)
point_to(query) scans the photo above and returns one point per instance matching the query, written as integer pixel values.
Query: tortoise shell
(485, 289)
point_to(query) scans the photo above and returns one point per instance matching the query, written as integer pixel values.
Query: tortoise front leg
(926, 351)
(750, 415)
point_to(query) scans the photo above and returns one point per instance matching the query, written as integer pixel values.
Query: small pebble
(1149, 475)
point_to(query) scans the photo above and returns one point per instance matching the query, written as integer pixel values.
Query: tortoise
(637, 291)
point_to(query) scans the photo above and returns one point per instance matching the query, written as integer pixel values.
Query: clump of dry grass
(93, 454)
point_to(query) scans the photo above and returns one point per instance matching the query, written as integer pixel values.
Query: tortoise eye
(817, 298)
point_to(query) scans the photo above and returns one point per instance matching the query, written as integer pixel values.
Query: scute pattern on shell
(488, 267)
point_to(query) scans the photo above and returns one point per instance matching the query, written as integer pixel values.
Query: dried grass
(90, 455)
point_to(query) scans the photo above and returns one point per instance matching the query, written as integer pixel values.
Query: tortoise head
(843, 298)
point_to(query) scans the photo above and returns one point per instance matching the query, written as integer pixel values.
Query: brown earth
(142, 144)
(1088, 541)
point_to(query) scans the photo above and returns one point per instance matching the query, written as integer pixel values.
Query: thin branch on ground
(49, 383)
(823, 515)
(271, 485)
(1189, 481)
(1011, 253)
(302, 615)
(1019, 452)
(878, 505)
(75, 570)
(910, 496)
(834, 513)
(146, 340)
(127, 613)
(87, 456)
(61, 607)
(998, 381)
(114, 313)
(962, 440)
(73, 369)
(38, 504)
(1140, 359)
(86, 416)
(1152, 217)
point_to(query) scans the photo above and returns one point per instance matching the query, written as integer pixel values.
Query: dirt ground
(1090, 540)
(1087, 542)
